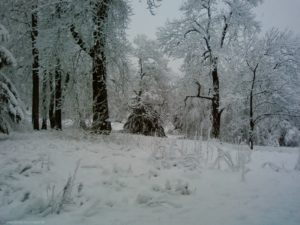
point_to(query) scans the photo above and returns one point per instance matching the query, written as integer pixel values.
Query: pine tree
(11, 110)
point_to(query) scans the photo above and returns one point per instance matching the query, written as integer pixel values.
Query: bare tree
(271, 62)
(203, 36)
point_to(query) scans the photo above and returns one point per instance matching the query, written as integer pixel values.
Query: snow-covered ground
(70, 178)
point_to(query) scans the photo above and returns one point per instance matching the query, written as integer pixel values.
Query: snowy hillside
(70, 178)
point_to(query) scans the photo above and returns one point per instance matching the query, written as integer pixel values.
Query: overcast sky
(273, 13)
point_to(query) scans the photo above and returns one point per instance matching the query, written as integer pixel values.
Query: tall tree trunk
(251, 113)
(52, 101)
(251, 119)
(97, 52)
(58, 95)
(100, 101)
(35, 69)
(216, 112)
(44, 101)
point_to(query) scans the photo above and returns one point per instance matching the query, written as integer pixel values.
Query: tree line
(238, 83)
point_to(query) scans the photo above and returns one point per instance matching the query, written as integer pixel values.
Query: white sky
(284, 14)
(273, 13)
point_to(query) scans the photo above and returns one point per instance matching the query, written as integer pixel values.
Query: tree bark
(35, 69)
(97, 53)
(52, 101)
(58, 96)
(216, 112)
(100, 101)
(251, 113)
(215, 101)
(44, 101)
(251, 120)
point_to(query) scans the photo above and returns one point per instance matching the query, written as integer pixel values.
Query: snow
(72, 177)
(7, 57)
(4, 35)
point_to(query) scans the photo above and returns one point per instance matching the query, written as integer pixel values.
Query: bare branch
(266, 115)
(225, 29)
(190, 31)
(198, 94)
(221, 111)
(79, 40)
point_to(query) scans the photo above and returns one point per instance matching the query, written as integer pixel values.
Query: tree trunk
(251, 113)
(97, 52)
(44, 101)
(58, 96)
(100, 101)
(216, 113)
(35, 69)
(251, 120)
(52, 101)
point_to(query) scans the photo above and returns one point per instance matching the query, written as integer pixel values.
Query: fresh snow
(72, 177)
(7, 56)
(4, 35)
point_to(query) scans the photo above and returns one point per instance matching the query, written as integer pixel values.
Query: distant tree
(272, 63)
(202, 37)
(149, 99)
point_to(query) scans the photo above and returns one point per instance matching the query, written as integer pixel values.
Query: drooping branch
(199, 25)
(225, 29)
(79, 41)
(190, 31)
(267, 115)
(207, 44)
(253, 69)
(209, 19)
(279, 64)
(221, 111)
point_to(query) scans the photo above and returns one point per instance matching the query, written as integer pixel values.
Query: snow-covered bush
(144, 119)
(292, 137)
(149, 103)
(286, 134)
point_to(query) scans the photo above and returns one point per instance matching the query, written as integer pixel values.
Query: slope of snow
(70, 177)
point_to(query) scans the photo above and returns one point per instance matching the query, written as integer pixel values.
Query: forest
(70, 78)
(72, 60)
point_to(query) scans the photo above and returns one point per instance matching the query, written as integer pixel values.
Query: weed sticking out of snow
(57, 201)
